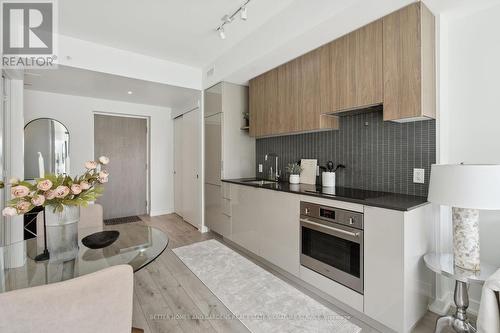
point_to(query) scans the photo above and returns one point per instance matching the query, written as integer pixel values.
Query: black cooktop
(394, 201)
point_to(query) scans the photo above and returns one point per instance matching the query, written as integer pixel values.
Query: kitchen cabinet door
(356, 68)
(409, 63)
(263, 104)
(213, 100)
(290, 95)
(214, 218)
(315, 87)
(279, 230)
(213, 149)
(246, 219)
(254, 104)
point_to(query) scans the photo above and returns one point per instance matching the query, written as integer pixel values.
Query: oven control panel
(332, 214)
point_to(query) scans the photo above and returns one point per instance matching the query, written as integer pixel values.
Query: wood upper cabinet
(390, 61)
(290, 94)
(263, 103)
(294, 97)
(409, 64)
(315, 88)
(356, 68)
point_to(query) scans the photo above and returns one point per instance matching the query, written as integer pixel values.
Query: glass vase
(62, 233)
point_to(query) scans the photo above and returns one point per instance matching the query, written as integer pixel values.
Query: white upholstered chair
(96, 302)
(488, 319)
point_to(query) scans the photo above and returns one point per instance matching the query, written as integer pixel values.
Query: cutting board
(308, 174)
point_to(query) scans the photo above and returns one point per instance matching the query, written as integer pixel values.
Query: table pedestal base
(458, 321)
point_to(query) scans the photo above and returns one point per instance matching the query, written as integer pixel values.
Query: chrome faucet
(273, 174)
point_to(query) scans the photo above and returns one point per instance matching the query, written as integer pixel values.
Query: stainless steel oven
(332, 243)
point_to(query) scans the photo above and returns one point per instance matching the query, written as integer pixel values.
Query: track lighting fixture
(227, 19)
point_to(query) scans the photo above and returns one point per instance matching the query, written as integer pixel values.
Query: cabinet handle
(342, 231)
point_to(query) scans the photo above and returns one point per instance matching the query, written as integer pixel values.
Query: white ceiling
(176, 30)
(80, 82)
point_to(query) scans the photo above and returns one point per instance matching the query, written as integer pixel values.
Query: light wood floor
(170, 298)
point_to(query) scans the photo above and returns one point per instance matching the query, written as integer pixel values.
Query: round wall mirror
(46, 148)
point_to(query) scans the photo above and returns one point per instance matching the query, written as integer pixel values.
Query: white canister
(294, 179)
(328, 179)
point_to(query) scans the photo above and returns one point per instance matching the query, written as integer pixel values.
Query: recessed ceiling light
(130, 92)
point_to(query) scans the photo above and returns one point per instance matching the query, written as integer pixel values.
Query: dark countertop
(394, 201)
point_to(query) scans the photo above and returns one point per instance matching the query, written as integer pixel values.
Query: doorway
(125, 141)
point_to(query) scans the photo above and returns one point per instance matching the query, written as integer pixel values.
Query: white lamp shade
(465, 186)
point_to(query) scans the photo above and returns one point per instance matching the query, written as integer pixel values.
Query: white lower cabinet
(267, 223)
(246, 204)
(397, 284)
(279, 232)
(214, 218)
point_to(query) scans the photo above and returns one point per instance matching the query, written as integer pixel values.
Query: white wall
(470, 111)
(96, 57)
(14, 152)
(76, 113)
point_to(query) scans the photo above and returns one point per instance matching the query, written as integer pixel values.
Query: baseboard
(160, 212)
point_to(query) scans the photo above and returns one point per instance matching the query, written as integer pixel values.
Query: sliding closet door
(191, 167)
(178, 174)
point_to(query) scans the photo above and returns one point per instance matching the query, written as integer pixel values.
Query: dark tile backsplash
(378, 155)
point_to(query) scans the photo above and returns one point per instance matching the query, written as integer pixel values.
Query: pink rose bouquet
(58, 191)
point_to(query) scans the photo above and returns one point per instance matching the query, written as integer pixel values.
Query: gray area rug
(122, 220)
(260, 300)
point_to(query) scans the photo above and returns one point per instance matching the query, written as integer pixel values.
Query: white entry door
(178, 157)
(191, 159)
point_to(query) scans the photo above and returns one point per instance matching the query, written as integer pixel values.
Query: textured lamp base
(466, 238)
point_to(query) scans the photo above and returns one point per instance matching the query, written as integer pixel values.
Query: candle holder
(45, 255)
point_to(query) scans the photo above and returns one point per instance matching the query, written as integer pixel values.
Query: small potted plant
(246, 117)
(294, 170)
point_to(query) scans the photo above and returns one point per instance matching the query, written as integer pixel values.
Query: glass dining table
(136, 245)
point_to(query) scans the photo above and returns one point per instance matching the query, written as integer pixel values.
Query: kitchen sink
(260, 182)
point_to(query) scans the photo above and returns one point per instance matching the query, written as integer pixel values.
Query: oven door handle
(342, 231)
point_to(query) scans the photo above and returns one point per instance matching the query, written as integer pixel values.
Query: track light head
(222, 33)
(227, 19)
(243, 13)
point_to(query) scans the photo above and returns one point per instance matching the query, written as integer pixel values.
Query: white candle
(41, 167)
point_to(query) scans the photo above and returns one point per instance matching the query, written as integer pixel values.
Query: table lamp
(467, 189)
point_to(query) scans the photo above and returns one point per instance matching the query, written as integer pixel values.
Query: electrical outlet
(419, 176)
(260, 167)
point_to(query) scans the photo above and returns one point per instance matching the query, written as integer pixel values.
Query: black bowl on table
(100, 239)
